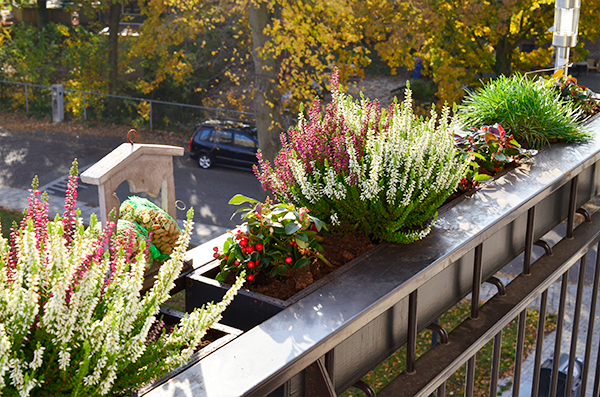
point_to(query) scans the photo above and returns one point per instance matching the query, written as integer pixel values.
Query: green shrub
(527, 108)
(384, 172)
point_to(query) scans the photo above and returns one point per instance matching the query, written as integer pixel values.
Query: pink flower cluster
(69, 217)
(319, 142)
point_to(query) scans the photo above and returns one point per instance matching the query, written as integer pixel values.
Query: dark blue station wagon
(224, 143)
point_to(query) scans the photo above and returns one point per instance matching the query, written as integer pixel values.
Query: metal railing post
(84, 108)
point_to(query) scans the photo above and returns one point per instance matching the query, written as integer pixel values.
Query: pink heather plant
(382, 171)
(72, 318)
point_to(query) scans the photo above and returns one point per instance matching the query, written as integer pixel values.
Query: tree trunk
(269, 120)
(42, 14)
(113, 52)
(503, 64)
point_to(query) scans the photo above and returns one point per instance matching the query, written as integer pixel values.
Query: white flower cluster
(406, 161)
(66, 313)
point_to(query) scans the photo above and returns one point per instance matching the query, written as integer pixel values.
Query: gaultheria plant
(72, 319)
(384, 172)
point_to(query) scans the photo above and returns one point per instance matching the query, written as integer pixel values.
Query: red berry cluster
(247, 248)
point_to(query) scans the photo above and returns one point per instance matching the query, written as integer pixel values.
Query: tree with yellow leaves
(462, 41)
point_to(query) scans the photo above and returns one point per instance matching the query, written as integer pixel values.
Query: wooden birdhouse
(146, 167)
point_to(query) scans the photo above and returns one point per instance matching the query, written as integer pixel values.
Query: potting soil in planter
(339, 249)
(251, 307)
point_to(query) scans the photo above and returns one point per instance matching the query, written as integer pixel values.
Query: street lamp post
(566, 21)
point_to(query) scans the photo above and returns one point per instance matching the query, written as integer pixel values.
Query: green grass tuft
(526, 107)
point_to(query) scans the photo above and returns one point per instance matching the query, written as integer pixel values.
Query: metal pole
(496, 364)
(576, 318)
(84, 108)
(529, 241)
(475, 295)
(539, 344)
(470, 381)
(562, 59)
(591, 321)
(559, 329)
(411, 344)
(441, 390)
(519, 353)
(572, 207)
(26, 99)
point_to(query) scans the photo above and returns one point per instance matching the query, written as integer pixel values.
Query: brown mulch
(339, 249)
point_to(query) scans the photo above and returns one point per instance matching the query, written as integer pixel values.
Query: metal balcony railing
(326, 342)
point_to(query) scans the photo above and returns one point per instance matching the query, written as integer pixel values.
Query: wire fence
(93, 106)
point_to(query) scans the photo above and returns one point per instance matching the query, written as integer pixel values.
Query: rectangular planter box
(220, 335)
(248, 309)
(361, 316)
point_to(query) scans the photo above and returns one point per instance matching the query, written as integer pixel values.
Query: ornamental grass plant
(527, 107)
(72, 319)
(381, 171)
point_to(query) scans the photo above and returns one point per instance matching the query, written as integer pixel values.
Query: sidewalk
(16, 199)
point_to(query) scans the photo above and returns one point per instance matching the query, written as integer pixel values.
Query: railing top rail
(265, 357)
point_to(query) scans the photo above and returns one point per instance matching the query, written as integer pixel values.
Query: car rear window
(204, 134)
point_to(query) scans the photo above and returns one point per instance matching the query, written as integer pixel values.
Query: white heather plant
(72, 319)
(383, 172)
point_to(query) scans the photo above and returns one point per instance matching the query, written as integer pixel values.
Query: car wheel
(204, 161)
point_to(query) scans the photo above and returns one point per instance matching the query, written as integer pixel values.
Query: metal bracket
(499, 284)
(365, 388)
(317, 382)
(586, 215)
(443, 335)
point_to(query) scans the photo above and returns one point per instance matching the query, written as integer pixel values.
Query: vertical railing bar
(26, 99)
(572, 207)
(529, 241)
(597, 380)
(576, 318)
(539, 344)
(330, 364)
(475, 295)
(441, 390)
(470, 381)
(559, 329)
(150, 115)
(590, 330)
(519, 353)
(496, 363)
(84, 108)
(411, 344)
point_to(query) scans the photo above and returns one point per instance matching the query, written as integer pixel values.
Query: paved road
(49, 155)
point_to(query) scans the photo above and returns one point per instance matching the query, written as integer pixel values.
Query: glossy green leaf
(292, 228)
(240, 198)
(301, 263)
(481, 177)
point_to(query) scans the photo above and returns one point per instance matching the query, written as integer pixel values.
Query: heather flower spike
(358, 166)
(69, 310)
